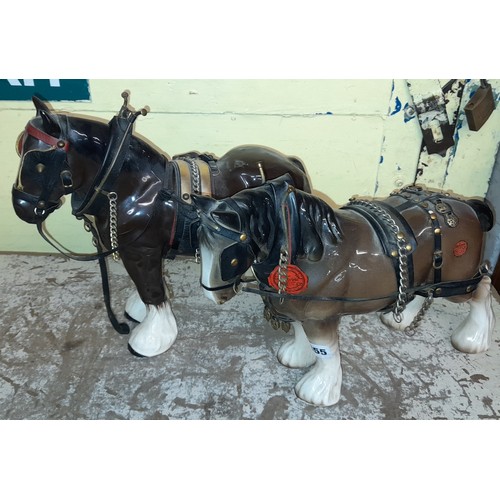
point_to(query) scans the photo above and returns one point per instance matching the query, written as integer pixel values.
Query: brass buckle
(438, 256)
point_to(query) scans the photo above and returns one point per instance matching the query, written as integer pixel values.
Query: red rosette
(297, 280)
(460, 248)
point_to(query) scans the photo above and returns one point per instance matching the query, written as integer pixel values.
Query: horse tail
(484, 213)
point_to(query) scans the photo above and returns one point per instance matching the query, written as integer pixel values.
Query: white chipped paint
(467, 166)
(400, 147)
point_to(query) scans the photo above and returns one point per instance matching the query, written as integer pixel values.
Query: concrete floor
(61, 359)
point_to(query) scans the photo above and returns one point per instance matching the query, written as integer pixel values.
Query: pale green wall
(345, 131)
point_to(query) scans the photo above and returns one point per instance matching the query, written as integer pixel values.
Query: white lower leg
(409, 313)
(156, 333)
(297, 352)
(322, 384)
(135, 307)
(475, 332)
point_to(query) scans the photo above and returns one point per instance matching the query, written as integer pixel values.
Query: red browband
(46, 138)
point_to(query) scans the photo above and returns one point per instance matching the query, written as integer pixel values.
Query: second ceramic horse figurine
(315, 264)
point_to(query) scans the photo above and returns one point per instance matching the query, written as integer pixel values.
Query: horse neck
(89, 140)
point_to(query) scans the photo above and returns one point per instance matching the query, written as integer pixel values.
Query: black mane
(318, 226)
(313, 222)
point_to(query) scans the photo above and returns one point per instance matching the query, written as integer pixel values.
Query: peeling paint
(397, 106)
(409, 113)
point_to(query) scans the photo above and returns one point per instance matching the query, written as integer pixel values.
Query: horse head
(44, 176)
(238, 232)
(226, 248)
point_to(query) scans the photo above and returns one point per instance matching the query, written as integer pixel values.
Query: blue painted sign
(47, 90)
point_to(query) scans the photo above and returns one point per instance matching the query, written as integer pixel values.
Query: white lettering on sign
(31, 83)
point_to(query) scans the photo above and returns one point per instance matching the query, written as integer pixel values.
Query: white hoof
(135, 308)
(297, 352)
(409, 313)
(156, 333)
(474, 333)
(321, 385)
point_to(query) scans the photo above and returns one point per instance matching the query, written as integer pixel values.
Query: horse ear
(203, 203)
(40, 105)
(49, 119)
(228, 219)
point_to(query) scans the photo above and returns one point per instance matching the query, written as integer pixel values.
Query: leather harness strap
(194, 177)
(46, 138)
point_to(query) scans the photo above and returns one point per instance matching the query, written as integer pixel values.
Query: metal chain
(402, 251)
(283, 273)
(410, 330)
(113, 224)
(195, 175)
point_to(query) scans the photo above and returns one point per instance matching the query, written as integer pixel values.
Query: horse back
(446, 233)
(251, 166)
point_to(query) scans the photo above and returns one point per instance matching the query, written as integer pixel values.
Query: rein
(442, 289)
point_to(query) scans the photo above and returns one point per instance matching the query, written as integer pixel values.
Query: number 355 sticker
(322, 351)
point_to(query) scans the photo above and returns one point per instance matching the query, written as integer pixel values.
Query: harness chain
(113, 224)
(283, 273)
(402, 297)
(195, 175)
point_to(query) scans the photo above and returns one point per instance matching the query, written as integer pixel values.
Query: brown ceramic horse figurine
(133, 197)
(315, 264)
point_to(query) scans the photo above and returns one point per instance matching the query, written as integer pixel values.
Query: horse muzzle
(30, 208)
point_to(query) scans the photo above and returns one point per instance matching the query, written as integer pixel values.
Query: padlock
(480, 107)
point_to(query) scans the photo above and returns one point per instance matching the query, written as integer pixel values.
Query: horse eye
(40, 167)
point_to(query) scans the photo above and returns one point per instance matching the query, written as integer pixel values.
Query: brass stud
(61, 144)
(400, 235)
(243, 237)
(234, 262)
(394, 253)
(437, 231)
(433, 216)
(408, 248)
(469, 289)
(438, 291)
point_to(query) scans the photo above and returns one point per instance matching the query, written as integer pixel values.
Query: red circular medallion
(297, 280)
(460, 248)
